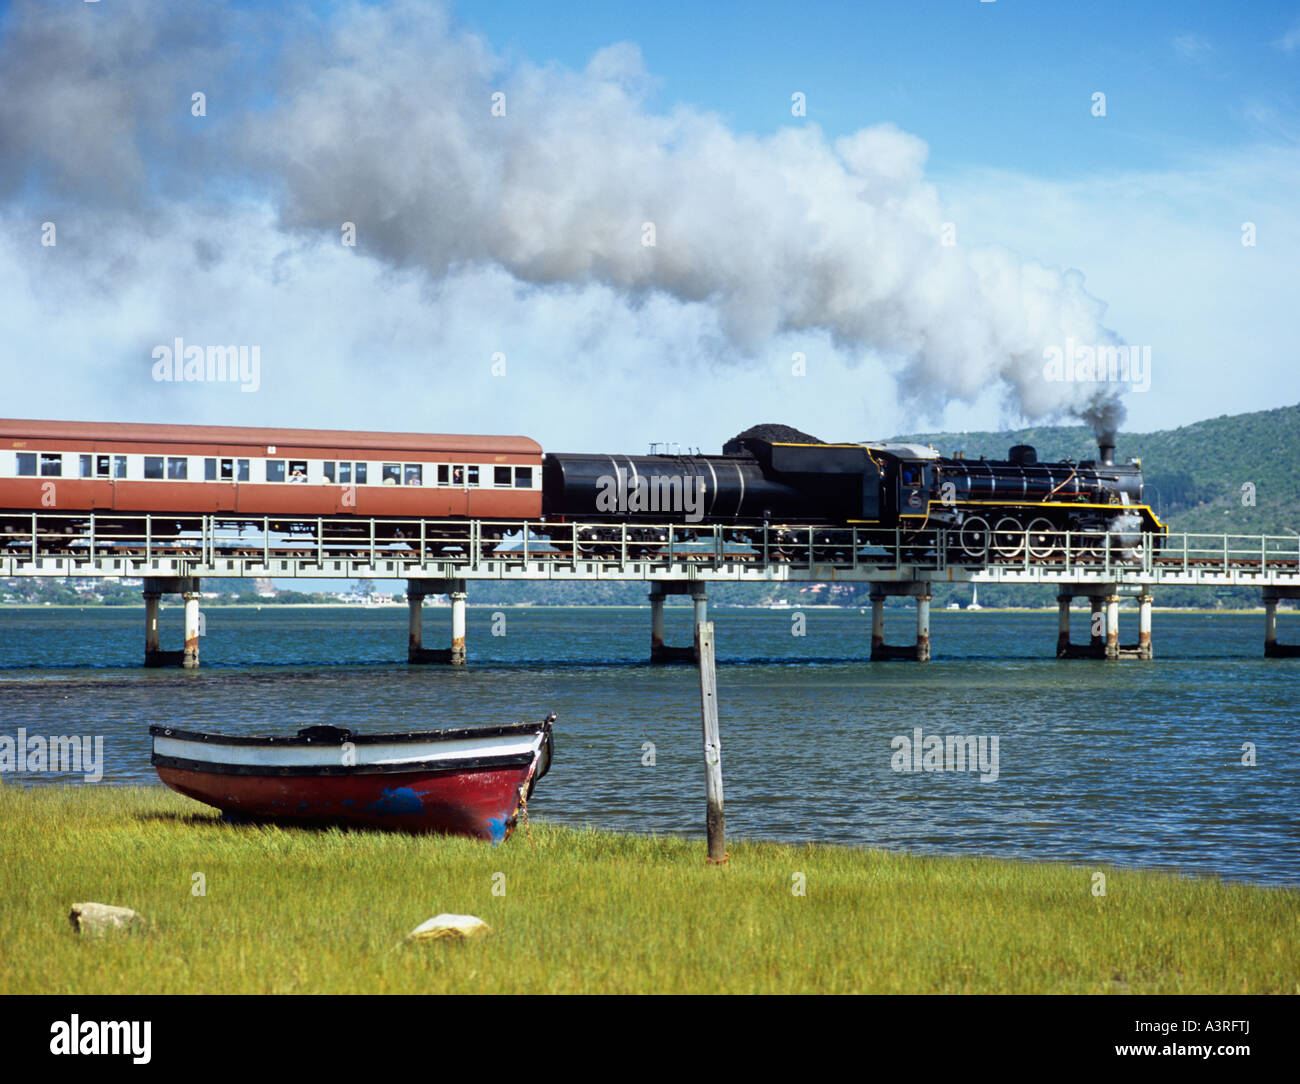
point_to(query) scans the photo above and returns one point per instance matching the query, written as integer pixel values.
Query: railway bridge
(446, 556)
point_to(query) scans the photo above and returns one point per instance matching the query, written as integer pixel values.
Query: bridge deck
(57, 545)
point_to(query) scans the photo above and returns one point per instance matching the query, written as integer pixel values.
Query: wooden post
(715, 820)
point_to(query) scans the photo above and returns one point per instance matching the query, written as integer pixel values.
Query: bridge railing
(140, 544)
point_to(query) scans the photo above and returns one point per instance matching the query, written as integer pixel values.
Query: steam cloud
(383, 117)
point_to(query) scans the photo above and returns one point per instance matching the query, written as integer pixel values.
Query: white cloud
(1192, 46)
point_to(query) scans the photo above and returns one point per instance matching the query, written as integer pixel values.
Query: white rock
(458, 926)
(96, 919)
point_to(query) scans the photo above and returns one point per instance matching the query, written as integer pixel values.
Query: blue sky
(780, 237)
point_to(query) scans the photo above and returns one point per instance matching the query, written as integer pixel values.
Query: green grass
(291, 911)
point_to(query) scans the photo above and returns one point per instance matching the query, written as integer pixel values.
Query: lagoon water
(1131, 764)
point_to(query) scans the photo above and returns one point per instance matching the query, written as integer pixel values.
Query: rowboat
(467, 781)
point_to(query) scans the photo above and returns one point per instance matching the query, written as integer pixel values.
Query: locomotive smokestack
(1106, 446)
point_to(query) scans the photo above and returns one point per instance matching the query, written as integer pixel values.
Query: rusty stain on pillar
(922, 628)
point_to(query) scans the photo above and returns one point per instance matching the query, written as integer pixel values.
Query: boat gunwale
(444, 766)
(158, 730)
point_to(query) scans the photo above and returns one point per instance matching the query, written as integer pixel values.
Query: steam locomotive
(775, 475)
(771, 476)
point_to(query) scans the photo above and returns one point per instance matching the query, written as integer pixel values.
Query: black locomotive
(777, 476)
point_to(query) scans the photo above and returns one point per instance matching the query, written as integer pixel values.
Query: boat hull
(462, 782)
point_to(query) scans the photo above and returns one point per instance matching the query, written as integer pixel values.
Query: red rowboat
(467, 781)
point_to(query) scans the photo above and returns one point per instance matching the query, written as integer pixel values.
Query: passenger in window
(297, 475)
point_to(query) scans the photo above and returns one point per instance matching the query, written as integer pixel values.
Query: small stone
(461, 927)
(97, 919)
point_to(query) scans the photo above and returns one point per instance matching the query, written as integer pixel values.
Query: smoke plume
(387, 118)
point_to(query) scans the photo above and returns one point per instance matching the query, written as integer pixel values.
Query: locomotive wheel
(974, 537)
(1009, 538)
(1042, 539)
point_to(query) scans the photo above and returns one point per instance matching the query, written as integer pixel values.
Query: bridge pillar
(883, 652)
(190, 657)
(700, 599)
(1097, 627)
(154, 589)
(416, 652)
(1272, 649)
(1063, 625)
(1144, 626)
(459, 599)
(1112, 626)
(660, 590)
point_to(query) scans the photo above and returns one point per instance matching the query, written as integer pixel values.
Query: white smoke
(384, 118)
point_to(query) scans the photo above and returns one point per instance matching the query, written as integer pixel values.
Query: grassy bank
(584, 911)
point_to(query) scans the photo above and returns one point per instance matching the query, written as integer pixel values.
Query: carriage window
(360, 473)
(26, 464)
(297, 470)
(275, 470)
(104, 466)
(178, 468)
(210, 470)
(328, 468)
(414, 474)
(471, 476)
(242, 470)
(51, 465)
(392, 474)
(345, 474)
(85, 466)
(444, 474)
(119, 466)
(153, 466)
(228, 469)
(523, 478)
(501, 476)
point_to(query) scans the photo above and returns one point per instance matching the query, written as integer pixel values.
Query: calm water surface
(1128, 763)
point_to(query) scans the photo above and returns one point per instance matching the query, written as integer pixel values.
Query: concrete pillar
(1112, 626)
(458, 598)
(700, 597)
(151, 599)
(1144, 625)
(1270, 627)
(415, 621)
(190, 660)
(1096, 626)
(877, 625)
(922, 628)
(656, 620)
(1063, 625)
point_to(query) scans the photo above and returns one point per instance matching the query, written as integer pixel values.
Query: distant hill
(1194, 474)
